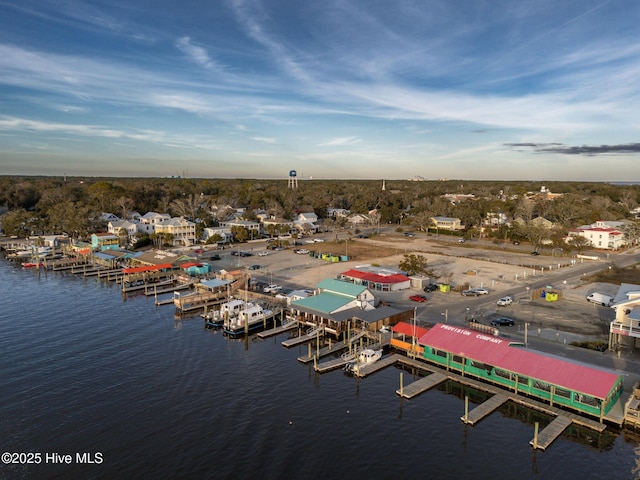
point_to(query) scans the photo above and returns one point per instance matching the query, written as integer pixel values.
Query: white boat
(251, 318)
(365, 357)
(228, 311)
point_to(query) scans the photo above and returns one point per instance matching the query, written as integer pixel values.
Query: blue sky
(356, 89)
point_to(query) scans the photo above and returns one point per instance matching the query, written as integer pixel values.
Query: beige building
(624, 331)
(183, 231)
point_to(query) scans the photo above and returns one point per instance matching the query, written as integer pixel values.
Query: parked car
(535, 254)
(461, 240)
(474, 292)
(255, 267)
(272, 288)
(264, 253)
(432, 287)
(214, 256)
(409, 234)
(502, 322)
(470, 293)
(516, 242)
(418, 298)
(301, 251)
(504, 301)
(318, 240)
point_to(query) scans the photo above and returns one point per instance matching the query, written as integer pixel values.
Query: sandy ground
(500, 272)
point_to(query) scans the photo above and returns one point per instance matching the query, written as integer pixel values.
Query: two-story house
(447, 223)
(603, 235)
(183, 231)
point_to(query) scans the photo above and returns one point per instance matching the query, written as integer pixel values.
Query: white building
(603, 235)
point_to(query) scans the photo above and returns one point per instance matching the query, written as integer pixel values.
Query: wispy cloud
(195, 53)
(588, 150)
(334, 142)
(270, 140)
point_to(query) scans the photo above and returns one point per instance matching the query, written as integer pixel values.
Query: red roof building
(501, 353)
(377, 279)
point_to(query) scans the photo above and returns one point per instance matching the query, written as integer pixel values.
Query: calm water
(83, 371)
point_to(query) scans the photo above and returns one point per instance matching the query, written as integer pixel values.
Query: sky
(339, 89)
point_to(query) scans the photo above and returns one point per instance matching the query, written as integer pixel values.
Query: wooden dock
(384, 362)
(484, 409)
(422, 385)
(278, 330)
(307, 337)
(330, 365)
(551, 432)
(333, 348)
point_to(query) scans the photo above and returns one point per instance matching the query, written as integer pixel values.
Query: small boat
(32, 264)
(367, 356)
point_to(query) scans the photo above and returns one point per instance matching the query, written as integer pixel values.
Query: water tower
(293, 179)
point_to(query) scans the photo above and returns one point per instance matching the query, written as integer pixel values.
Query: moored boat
(364, 357)
(250, 319)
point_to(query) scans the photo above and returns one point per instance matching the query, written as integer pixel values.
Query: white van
(600, 299)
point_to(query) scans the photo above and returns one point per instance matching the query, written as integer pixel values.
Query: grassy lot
(618, 275)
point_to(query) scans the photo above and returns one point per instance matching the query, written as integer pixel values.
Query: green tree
(414, 264)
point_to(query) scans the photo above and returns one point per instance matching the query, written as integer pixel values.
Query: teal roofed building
(339, 306)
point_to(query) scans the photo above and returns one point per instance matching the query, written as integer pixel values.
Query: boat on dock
(251, 318)
(368, 356)
(228, 311)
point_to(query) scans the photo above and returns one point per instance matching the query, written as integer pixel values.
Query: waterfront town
(349, 286)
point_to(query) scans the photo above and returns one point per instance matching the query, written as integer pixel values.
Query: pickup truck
(273, 288)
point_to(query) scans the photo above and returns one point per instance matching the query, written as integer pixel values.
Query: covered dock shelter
(499, 361)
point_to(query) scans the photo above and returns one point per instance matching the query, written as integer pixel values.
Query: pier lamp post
(445, 314)
(526, 330)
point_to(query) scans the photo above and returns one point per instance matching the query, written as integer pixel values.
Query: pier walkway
(333, 348)
(307, 337)
(484, 409)
(551, 432)
(422, 385)
(278, 330)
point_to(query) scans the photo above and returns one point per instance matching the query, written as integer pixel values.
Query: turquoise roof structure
(341, 288)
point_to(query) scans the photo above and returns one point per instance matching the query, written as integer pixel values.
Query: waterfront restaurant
(497, 360)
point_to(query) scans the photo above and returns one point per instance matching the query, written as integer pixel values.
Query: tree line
(74, 205)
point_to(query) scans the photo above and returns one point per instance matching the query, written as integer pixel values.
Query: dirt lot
(496, 270)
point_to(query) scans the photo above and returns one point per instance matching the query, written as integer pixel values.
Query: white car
(301, 251)
(271, 288)
(263, 253)
(481, 291)
(504, 301)
(318, 240)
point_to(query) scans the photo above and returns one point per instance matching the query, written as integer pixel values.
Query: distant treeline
(75, 204)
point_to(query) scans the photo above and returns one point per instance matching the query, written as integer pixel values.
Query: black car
(502, 322)
(535, 254)
(431, 288)
(255, 267)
